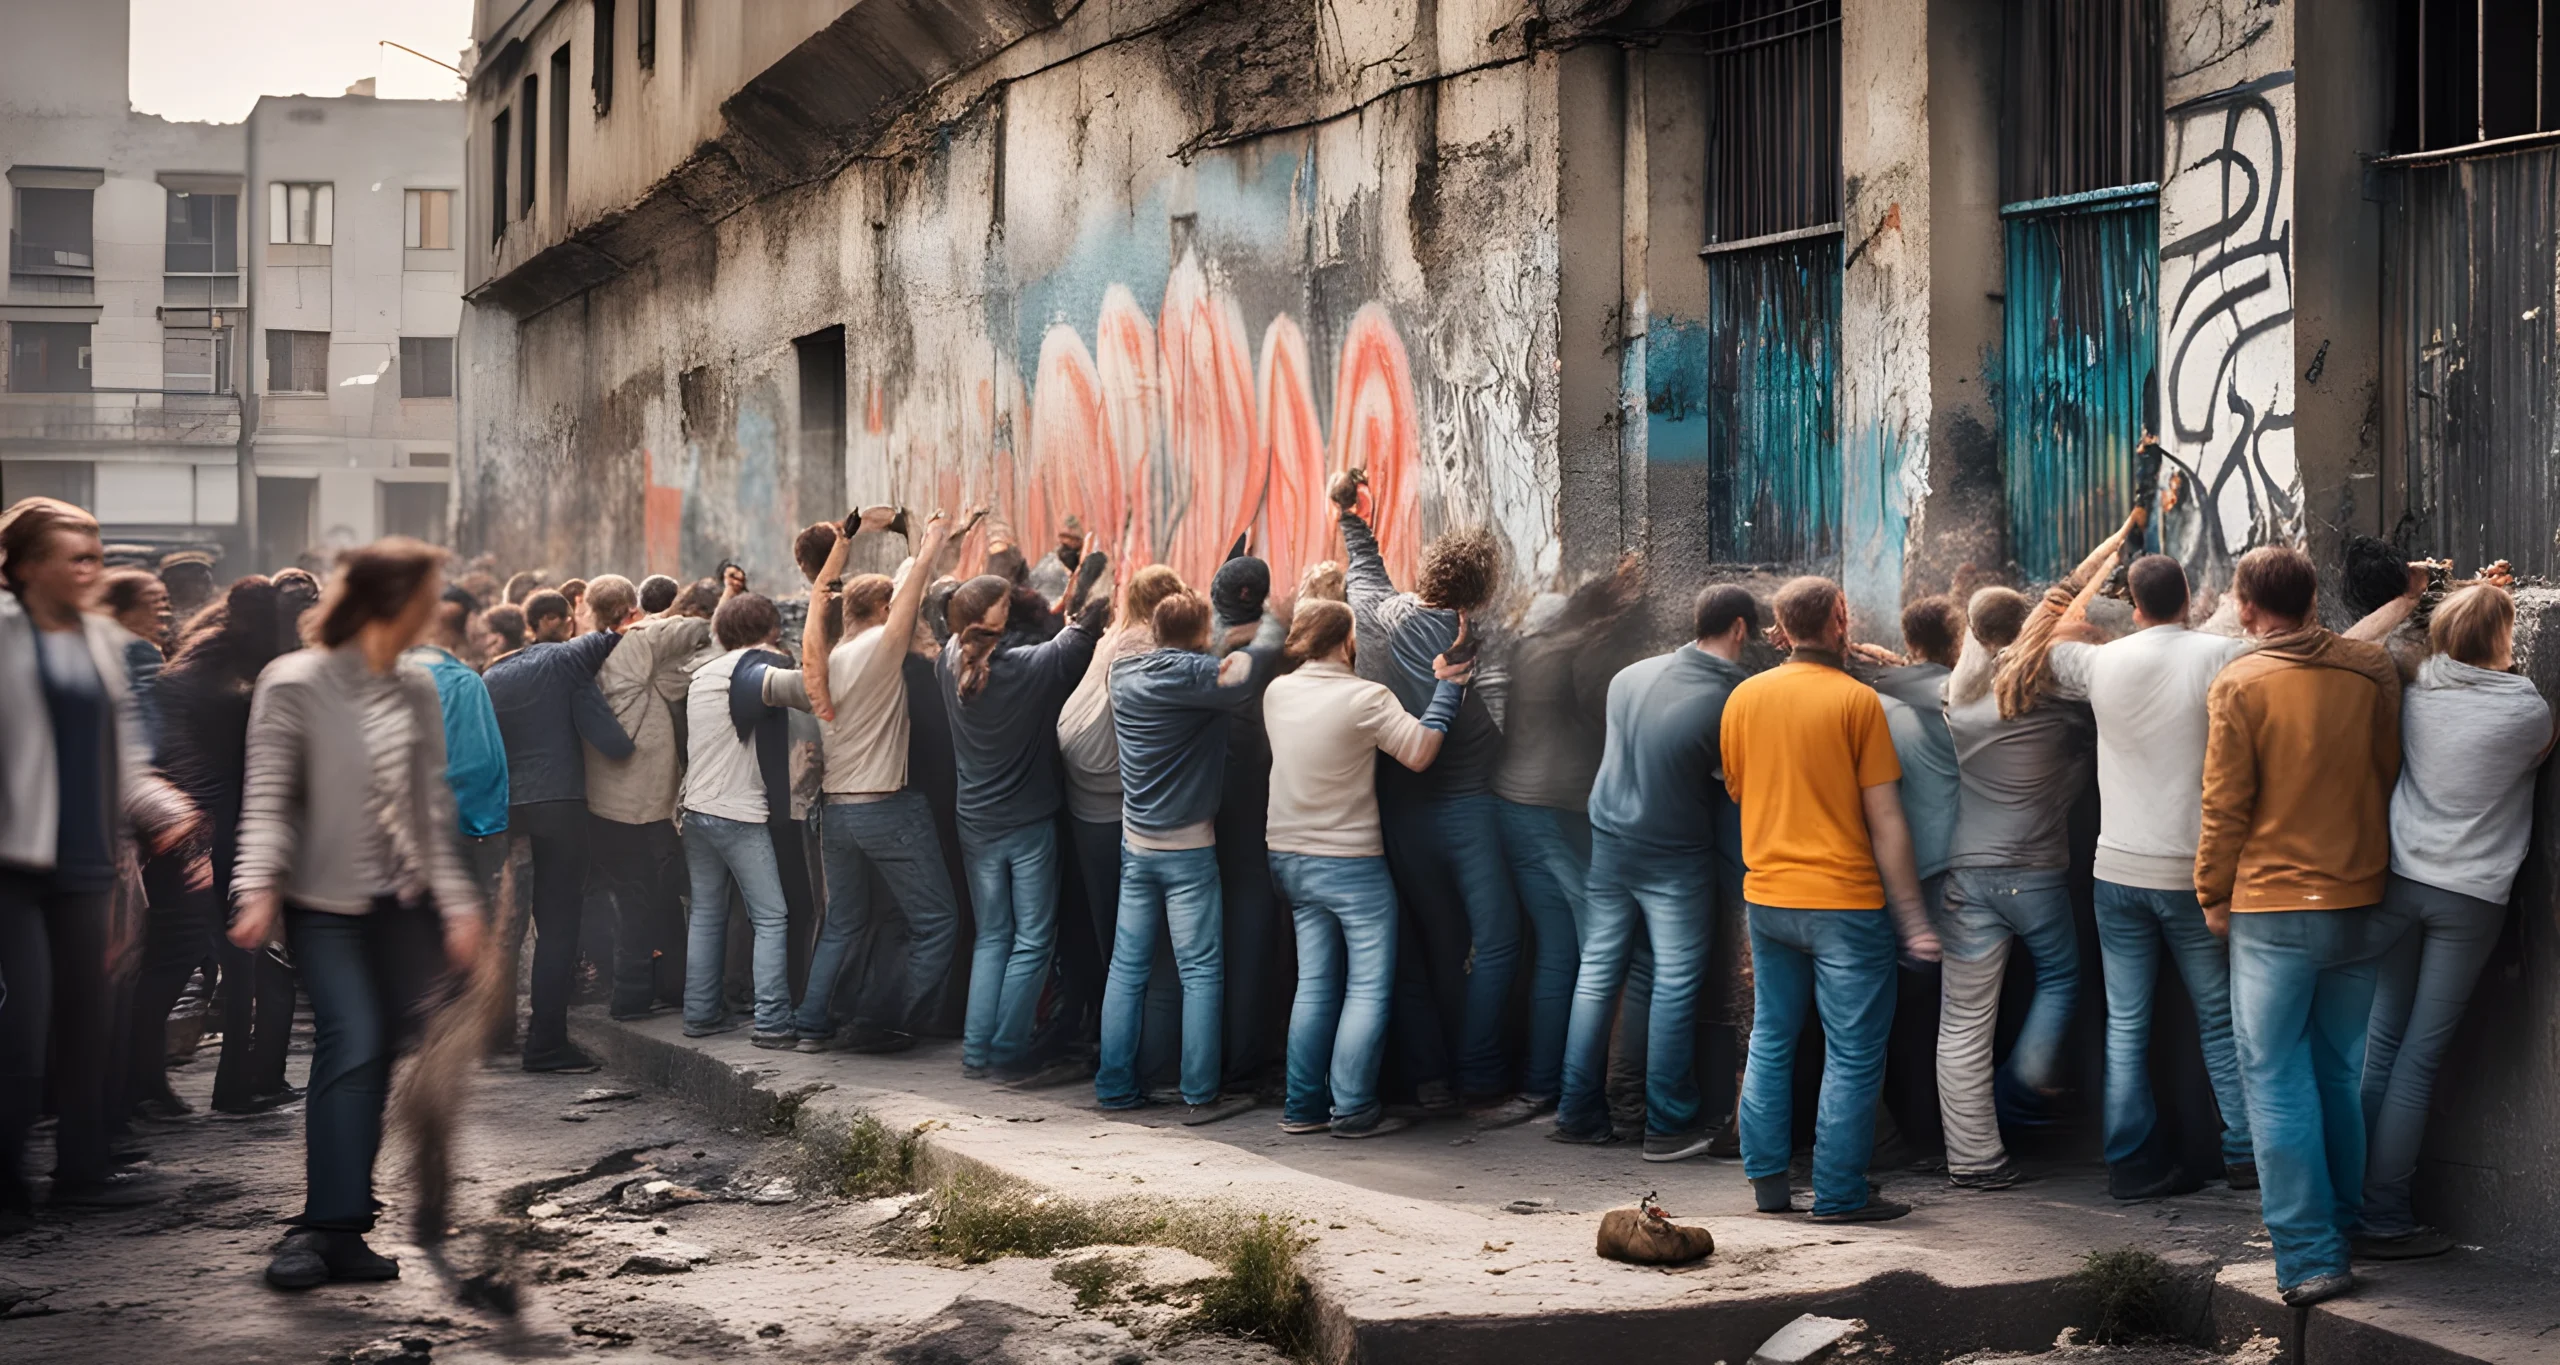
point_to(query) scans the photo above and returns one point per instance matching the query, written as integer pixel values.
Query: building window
(49, 242)
(415, 510)
(48, 357)
(430, 220)
(2473, 71)
(297, 362)
(531, 103)
(72, 481)
(202, 255)
(644, 33)
(602, 57)
(426, 367)
(300, 215)
(499, 141)
(559, 170)
(195, 360)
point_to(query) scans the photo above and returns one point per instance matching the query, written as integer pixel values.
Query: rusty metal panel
(2475, 322)
(2078, 366)
(2083, 105)
(1773, 318)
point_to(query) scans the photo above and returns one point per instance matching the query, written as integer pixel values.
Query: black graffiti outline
(2216, 249)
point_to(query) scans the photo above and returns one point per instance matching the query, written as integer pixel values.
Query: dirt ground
(625, 1226)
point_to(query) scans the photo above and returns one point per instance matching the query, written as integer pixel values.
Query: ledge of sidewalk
(1411, 1265)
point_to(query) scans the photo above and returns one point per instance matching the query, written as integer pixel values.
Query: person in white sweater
(2472, 734)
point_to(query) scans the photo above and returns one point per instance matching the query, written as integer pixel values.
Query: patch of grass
(1262, 1296)
(2129, 1289)
(857, 1158)
(1093, 1278)
(980, 1218)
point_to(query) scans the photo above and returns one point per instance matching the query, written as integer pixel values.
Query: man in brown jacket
(2301, 753)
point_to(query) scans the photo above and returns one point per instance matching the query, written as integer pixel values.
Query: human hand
(876, 518)
(1923, 947)
(2217, 917)
(1878, 655)
(254, 927)
(2499, 574)
(462, 936)
(733, 580)
(177, 832)
(2420, 573)
(1462, 650)
(1447, 672)
(1346, 488)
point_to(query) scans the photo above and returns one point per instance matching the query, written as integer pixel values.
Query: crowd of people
(1354, 847)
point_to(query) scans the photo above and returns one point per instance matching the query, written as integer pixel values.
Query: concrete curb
(1454, 1317)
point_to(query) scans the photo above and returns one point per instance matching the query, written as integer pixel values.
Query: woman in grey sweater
(347, 843)
(2472, 732)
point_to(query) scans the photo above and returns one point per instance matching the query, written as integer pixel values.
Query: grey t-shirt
(2017, 781)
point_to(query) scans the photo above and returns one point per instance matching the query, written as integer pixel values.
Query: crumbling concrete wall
(1104, 276)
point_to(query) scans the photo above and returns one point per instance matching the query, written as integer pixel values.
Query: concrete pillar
(2227, 291)
(1882, 402)
(1591, 226)
(1665, 420)
(2343, 64)
(1961, 519)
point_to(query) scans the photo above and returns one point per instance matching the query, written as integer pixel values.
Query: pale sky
(210, 60)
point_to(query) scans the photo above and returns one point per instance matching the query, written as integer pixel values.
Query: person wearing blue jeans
(2134, 925)
(1658, 814)
(719, 853)
(2301, 753)
(1013, 888)
(1550, 855)
(1327, 727)
(1987, 910)
(894, 835)
(1170, 710)
(1808, 754)
(1003, 692)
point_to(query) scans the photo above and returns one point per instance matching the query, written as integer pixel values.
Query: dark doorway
(285, 508)
(821, 474)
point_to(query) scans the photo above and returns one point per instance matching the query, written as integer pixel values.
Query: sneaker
(1511, 1112)
(2125, 1182)
(781, 1040)
(876, 1042)
(2414, 1245)
(311, 1257)
(123, 1190)
(969, 1072)
(1601, 1138)
(1999, 1177)
(299, 1264)
(2320, 1289)
(1873, 1211)
(1386, 1124)
(1304, 1127)
(818, 1042)
(2240, 1175)
(727, 1023)
(564, 1060)
(1223, 1107)
(1677, 1146)
(1055, 1072)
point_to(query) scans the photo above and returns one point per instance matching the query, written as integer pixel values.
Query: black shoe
(1601, 1138)
(1383, 1125)
(1677, 1146)
(2319, 1289)
(564, 1060)
(164, 1109)
(729, 1023)
(1223, 1107)
(628, 1013)
(123, 1190)
(260, 1104)
(2414, 1245)
(2127, 1182)
(2240, 1175)
(312, 1256)
(783, 1041)
(130, 1156)
(877, 1042)
(1057, 1071)
(1726, 1145)
(1873, 1211)
(1999, 1177)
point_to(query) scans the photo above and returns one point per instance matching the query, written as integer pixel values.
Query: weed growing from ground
(2129, 1289)
(856, 1158)
(1094, 1277)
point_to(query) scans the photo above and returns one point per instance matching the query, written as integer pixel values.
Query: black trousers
(1433, 936)
(257, 1023)
(53, 1003)
(1250, 915)
(558, 833)
(177, 936)
(629, 866)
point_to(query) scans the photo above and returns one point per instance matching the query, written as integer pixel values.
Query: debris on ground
(2068, 1349)
(1645, 1235)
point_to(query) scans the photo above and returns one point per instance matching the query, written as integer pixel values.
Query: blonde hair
(1148, 588)
(2471, 624)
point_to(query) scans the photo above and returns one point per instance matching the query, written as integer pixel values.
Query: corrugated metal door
(1774, 454)
(2470, 348)
(1773, 279)
(2077, 365)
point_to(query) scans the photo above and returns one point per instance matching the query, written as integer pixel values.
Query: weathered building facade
(1884, 288)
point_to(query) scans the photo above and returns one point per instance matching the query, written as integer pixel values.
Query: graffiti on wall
(2226, 309)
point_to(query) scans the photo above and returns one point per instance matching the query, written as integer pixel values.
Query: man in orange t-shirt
(1808, 756)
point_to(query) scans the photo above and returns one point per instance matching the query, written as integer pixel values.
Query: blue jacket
(475, 757)
(1660, 784)
(1171, 719)
(547, 700)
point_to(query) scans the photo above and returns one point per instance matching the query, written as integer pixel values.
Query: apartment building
(173, 286)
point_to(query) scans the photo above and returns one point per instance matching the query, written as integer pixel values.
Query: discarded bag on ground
(1645, 1235)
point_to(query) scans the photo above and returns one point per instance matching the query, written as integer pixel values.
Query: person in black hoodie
(1250, 904)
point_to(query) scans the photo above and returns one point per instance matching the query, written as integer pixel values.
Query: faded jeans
(1839, 963)
(1013, 887)
(716, 853)
(1470, 830)
(1987, 909)
(895, 835)
(1175, 892)
(2302, 988)
(1671, 897)
(2423, 983)
(1550, 855)
(2133, 924)
(1345, 912)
